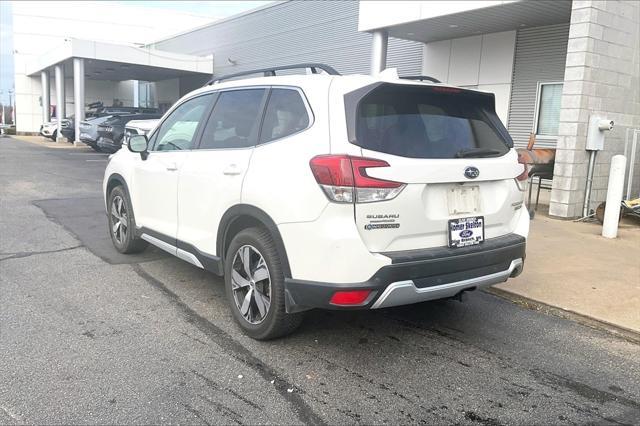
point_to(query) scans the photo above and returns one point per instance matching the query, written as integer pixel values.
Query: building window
(548, 109)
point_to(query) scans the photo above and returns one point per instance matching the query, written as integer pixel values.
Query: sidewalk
(571, 267)
(42, 141)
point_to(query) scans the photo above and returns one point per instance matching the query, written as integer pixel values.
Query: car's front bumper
(68, 133)
(420, 275)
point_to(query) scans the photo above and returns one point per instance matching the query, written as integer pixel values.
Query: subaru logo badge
(471, 172)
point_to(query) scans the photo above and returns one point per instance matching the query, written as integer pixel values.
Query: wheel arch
(114, 180)
(242, 216)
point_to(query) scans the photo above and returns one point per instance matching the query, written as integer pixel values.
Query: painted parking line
(97, 160)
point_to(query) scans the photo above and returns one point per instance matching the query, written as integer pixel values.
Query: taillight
(349, 298)
(344, 179)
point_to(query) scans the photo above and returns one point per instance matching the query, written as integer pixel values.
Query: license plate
(466, 231)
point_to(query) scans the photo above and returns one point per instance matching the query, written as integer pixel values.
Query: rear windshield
(418, 122)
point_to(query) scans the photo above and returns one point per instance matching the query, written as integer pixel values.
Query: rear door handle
(231, 170)
(172, 167)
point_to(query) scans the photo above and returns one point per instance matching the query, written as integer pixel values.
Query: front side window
(234, 121)
(549, 109)
(178, 131)
(286, 114)
(416, 122)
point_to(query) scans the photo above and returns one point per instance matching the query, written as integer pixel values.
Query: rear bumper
(108, 145)
(88, 141)
(87, 138)
(420, 275)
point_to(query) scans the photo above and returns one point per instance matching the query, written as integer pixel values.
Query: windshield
(419, 122)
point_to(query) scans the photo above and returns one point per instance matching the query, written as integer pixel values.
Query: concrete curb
(49, 144)
(613, 329)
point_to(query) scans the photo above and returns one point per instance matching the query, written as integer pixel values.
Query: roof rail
(314, 67)
(421, 78)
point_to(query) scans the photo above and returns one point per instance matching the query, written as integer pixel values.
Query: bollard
(614, 196)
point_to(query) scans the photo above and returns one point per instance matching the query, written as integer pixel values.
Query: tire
(96, 148)
(263, 256)
(54, 135)
(122, 223)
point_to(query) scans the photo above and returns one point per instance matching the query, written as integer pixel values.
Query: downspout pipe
(587, 195)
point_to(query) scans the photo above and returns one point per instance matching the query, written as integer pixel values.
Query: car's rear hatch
(453, 155)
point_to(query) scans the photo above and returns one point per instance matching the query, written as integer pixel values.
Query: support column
(136, 93)
(78, 96)
(46, 96)
(379, 44)
(60, 100)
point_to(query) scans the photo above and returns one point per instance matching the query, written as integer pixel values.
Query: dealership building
(552, 65)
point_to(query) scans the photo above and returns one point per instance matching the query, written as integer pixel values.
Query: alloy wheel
(119, 219)
(251, 284)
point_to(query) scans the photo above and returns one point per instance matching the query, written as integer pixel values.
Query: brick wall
(602, 77)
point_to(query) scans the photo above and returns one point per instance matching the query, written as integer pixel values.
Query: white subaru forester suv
(325, 191)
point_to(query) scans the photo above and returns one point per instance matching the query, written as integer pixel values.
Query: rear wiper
(477, 152)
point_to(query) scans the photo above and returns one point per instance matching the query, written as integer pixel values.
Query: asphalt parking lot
(91, 336)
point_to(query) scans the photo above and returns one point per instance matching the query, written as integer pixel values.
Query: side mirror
(139, 144)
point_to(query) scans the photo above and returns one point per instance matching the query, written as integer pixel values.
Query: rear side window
(286, 114)
(418, 122)
(234, 121)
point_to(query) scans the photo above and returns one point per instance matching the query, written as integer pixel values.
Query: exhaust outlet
(517, 271)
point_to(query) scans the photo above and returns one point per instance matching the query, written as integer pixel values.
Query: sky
(211, 10)
(6, 58)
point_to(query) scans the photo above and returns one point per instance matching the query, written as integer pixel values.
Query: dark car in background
(68, 127)
(89, 130)
(89, 127)
(111, 131)
(68, 124)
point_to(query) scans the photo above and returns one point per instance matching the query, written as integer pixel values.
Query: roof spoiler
(421, 78)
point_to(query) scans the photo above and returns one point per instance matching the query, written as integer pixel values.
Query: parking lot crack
(583, 390)
(303, 411)
(10, 414)
(19, 255)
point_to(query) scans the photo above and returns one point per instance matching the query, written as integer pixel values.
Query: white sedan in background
(138, 127)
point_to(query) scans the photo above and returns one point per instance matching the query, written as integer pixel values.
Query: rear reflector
(349, 298)
(344, 179)
(525, 173)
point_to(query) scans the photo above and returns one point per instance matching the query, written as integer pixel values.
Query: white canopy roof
(117, 62)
